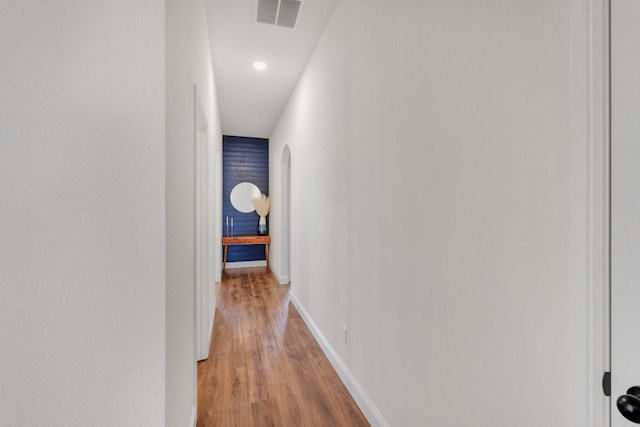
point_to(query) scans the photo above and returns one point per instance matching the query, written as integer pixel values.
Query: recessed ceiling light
(259, 65)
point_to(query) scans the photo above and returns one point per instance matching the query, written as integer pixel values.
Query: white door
(625, 204)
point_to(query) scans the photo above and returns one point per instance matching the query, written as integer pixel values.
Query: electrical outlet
(345, 334)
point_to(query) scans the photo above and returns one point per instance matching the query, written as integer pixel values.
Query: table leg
(224, 266)
(266, 254)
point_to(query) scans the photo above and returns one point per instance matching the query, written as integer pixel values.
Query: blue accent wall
(243, 159)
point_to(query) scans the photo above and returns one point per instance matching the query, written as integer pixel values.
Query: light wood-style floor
(264, 366)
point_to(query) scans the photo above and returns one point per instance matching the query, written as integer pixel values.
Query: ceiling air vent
(283, 13)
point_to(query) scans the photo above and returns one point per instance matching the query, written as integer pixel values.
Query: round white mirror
(242, 196)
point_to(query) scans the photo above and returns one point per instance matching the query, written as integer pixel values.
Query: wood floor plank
(264, 366)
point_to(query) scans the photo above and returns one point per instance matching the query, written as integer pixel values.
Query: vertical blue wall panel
(243, 159)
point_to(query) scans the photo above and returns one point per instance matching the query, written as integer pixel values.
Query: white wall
(188, 63)
(82, 240)
(430, 167)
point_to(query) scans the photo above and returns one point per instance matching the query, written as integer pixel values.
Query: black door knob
(634, 391)
(629, 404)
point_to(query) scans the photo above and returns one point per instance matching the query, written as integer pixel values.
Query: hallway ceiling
(251, 101)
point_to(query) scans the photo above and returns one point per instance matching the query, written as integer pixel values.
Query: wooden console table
(246, 240)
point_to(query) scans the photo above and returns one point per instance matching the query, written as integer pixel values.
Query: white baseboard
(218, 277)
(370, 411)
(246, 264)
(283, 280)
(194, 417)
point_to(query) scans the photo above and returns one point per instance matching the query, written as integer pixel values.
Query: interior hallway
(265, 367)
(448, 169)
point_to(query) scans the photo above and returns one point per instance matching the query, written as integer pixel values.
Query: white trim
(285, 214)
(283, 280)
(246, 264)
(203, 249)
(217, 221)
(194, 417)
(589, 212)
(370, 411)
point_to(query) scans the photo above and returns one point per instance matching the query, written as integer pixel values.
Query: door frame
(202, 226)
(590, 192)
(285, 195)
